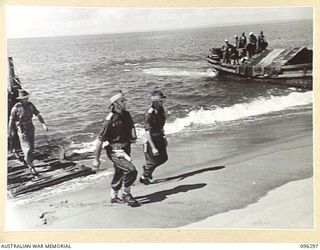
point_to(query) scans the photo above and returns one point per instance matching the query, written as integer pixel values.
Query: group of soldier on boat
(242, 49)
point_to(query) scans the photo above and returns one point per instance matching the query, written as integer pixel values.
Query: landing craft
(292, 67)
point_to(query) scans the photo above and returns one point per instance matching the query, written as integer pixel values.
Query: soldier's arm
(12, 124)
(36, 112)
(41, 120)
(149, 138)
(148, 130)
(97, 152)
(133, 130)
(99, 142)
(10, 127)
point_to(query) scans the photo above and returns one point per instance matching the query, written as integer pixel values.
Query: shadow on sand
(186, 175)
(162, 195)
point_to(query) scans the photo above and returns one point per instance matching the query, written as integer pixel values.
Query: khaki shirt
(117, 128)
(21, 116)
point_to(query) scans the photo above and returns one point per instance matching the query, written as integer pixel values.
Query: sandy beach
(253, 179)
(271, 211)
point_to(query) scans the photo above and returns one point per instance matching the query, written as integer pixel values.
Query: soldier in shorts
(21, 121)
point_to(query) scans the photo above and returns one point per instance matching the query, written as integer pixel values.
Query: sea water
(72, 78)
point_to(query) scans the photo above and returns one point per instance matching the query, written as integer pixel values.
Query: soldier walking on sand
(119, 133)
(21, 121)
(155, 148)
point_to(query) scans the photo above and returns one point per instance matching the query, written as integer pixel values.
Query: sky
(43, 21)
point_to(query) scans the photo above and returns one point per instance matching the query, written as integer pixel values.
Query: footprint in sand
(47, 217)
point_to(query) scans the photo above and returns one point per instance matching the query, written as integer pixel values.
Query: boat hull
(291, 67)
(298, 82)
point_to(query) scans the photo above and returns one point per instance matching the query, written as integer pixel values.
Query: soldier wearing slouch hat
(20, 121)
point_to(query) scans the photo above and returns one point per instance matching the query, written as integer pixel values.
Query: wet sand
(227, 180)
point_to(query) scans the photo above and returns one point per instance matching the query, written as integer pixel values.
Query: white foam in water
(133, 64)
(177, 72)
(70, 185)
(257, 106)
(242, 110)
(84, 147)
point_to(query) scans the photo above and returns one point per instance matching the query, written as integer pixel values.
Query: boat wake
(179, 72)
(255, 107)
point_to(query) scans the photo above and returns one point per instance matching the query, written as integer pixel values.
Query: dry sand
(277, 210)
(257, 188)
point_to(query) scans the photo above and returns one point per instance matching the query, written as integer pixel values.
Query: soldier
(13, 142)
(262, 43)
(236, 50)
(243, 44)
(252, 45)
(119, 133)
(155, 148)
(228, 50)
(21, 121)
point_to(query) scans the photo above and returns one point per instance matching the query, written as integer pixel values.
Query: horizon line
(172, 29)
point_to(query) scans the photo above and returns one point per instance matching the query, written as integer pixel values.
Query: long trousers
(153, 161)
(125, 172)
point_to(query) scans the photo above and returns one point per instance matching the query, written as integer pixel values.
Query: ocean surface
(72, 78)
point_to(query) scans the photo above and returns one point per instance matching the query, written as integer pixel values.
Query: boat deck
(271, 63)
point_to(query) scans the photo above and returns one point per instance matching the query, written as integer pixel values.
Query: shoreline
(195, 190)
